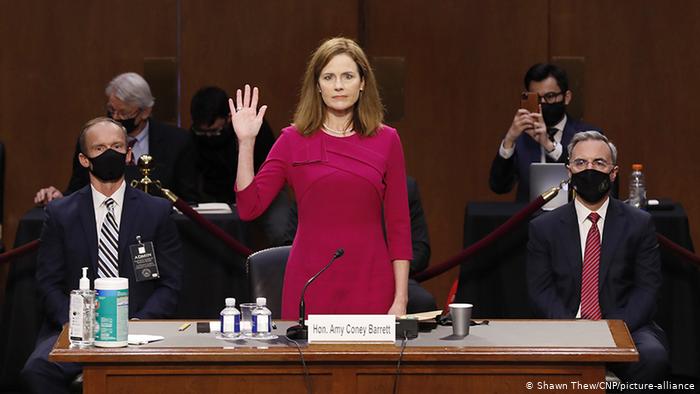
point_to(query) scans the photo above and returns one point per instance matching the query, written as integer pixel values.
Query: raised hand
(245, 117)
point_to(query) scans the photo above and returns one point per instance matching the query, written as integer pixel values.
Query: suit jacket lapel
(89, 225)
(573, 245)
(612, 232)
(567, 134)
(130, 214)
(155, 139)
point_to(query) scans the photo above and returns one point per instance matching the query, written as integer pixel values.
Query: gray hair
(595, 136)
(131, 88)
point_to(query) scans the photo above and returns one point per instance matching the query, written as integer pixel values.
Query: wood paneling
(641, 86)
(464, 62)
(264, 43)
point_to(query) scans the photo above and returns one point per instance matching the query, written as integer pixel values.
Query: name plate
(352, 328)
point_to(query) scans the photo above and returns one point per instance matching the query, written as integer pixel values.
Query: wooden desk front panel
(335, 377)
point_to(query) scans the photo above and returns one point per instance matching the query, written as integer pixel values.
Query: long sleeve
(503, 175)
(396, 215)
(646, 279)
(50, 271)
(256, 197)
(419, 229)
(546, 301)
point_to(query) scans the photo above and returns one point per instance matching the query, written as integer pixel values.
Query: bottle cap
(84, 282)
(637, 167)
(230, 301)
(261, 301)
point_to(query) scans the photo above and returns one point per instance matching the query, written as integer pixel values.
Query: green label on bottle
(112, 315)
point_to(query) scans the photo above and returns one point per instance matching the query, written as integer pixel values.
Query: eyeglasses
(207, 132)
(114, 114)
(582, 164)
(549, 98)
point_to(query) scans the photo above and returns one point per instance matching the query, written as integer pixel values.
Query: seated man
(597, 258)
(79, 231)
(534, 137)
(217, 146)
(129, 102)
(419, 299)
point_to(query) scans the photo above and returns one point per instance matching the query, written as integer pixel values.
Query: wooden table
(451, 366)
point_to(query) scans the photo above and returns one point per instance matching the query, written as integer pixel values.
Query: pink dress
(341, 185)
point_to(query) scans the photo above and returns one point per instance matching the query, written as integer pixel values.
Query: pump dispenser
(81, 329)
(84, 282)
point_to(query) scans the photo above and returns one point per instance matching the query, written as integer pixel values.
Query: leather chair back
(265, 276)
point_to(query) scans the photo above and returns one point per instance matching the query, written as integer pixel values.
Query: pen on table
(184, 326)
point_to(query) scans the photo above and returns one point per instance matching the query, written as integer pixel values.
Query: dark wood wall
(462, 61)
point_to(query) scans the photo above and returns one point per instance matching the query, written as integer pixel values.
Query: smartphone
(530, 101)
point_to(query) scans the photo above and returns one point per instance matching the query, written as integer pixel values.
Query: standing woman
(346, 169)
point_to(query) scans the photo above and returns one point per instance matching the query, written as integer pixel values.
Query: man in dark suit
(419, 299)
(535, 137)
(217, 146)
(597, 258)
(129, 101)
(74, 236)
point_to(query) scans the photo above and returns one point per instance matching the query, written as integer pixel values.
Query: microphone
(301, 331)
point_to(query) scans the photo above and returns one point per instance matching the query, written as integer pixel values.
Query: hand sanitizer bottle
(81, 319)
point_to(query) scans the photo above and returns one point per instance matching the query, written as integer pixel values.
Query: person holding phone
(346, 169)
(536, 134)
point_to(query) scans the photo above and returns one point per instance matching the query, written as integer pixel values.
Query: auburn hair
(368, 111)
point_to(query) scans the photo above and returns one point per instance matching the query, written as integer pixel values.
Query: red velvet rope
(476, 247)
(212, 228)
(678, 250)
(19, 251)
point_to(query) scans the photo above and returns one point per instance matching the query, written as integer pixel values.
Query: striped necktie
(590, 306)
(107, 249)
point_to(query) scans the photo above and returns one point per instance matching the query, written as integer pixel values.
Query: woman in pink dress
(347, 172)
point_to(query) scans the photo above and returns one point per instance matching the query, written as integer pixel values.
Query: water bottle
(230, 320)
(81, 328)
(638, 189)
(261, 319)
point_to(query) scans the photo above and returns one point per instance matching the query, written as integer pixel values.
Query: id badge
(143, 257)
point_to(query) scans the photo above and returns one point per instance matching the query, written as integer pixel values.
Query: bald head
(101, 129)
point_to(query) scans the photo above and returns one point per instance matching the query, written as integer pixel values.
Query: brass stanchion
(146, 184)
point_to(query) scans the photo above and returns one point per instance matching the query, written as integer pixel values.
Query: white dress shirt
(98, 202)
(584, 225)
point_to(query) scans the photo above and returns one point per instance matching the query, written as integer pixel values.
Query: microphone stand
(301, 331)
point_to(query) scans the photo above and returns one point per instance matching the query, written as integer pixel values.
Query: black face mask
(108, 166)
(553, 113)
(592, 185)
(129, 124)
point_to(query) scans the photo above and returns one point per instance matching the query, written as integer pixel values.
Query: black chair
(265, 271)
